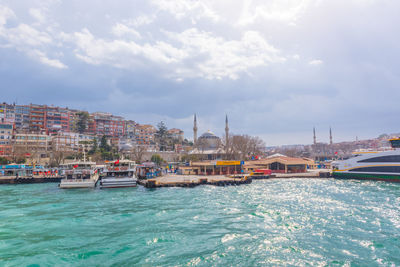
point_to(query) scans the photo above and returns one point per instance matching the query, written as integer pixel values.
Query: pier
(316, 174)
(172, 180)
(28, 180)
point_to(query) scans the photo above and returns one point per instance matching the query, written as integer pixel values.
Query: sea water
(269, 222)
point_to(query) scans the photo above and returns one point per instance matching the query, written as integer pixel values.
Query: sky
(277, 68)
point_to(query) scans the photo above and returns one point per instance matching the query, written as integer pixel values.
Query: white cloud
(5, 14)
(142, 20)
(195, 53)
(277, 10)
(187, 8)
(121, 30)
(316, 62)
(225, 58)
(37, 14)
(39, 55)
(27, 39)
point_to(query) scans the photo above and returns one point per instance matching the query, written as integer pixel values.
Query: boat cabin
(120, 168)
(395, 142)
(79, 170)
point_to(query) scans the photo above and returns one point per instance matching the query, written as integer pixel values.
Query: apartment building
(71, 142)
(145, 134)
(7, 113)
(31, 144)
(102, 123)
(6, 134)
(177, 134)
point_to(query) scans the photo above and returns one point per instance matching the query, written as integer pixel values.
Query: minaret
(315, 137)
(226, 131)
(195, 130)
(330, 136)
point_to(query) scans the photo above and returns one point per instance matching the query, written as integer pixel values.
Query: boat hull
(118, 182)
(77, 184)
(367, 176)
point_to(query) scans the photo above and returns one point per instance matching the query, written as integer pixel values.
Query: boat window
(389, 158)
(395, 143)
(393, 169)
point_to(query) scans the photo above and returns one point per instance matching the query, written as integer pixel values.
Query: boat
(79, 174)
(120, 173)
(261, 174)
(383, 166)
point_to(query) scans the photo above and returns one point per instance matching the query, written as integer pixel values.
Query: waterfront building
(37, 118)
(31, 144)
(209, 146)
(146, 134)
(6, 134)
(57, 119)
(7, 113)
(279, 163)
(176, 134)
(130, 130)
(212, 167)
(71, 142)
(22, 118)
(103, 123)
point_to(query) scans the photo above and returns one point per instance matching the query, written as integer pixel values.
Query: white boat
(79, 174)
(383, 166)
(120, 173)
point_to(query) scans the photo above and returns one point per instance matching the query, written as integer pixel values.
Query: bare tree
(242, 147)
(137, 152)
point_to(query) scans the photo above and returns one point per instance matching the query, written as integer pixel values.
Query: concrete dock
(315, 174)
(28, 180)
(172, 180)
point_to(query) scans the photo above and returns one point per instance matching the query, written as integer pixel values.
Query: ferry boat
(383, 166)
(261, 174)
(120, 173)
(79, 174)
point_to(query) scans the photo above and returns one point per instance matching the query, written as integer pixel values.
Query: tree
(3, 161)
(82, 123)
(157, 159)
(104, 146)
(137, 153)
(94, 147)
(162, 136)
(243, 147)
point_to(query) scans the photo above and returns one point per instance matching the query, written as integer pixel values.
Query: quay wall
(29, 180)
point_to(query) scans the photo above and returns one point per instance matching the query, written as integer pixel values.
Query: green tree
(162, 136)
(94, 147)
(82, 123)
(3, 161)
(157, 159)
(104, 146)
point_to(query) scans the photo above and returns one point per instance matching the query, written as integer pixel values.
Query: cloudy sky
(276, 67)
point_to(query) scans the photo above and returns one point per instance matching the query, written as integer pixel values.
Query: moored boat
(120, 173)
(261, 174)
(79, 175)
(383, 166)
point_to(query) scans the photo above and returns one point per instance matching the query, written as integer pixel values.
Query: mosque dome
(209, 135)
(126, 147)
(209, 140)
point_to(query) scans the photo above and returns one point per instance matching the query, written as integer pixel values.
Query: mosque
(209, 146)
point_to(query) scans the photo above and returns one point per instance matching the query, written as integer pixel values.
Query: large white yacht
(383, 166)
(120, 173)
(79, 174)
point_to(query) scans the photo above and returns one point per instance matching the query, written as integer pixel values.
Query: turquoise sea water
(269, 222)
